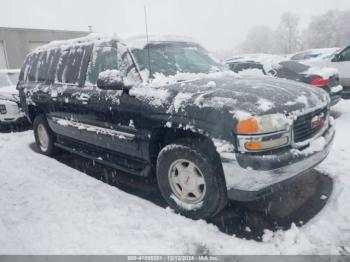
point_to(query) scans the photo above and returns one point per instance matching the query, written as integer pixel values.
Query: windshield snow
(172, 58)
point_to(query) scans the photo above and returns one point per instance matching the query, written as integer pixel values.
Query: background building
(16, 43)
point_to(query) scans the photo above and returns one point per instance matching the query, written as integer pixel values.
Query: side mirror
(111, 80)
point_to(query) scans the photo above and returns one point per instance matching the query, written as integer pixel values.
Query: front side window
(172, 58)
(103, 58)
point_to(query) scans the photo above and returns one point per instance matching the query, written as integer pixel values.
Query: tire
(44, 137)
(208, 196)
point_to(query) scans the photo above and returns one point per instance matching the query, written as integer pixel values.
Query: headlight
(263, 133)
(262, 124)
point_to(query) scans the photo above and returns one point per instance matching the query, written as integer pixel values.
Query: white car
(339, 60)
(10, 112)
(312, 54)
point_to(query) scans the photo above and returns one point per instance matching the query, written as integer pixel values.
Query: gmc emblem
(317, 121)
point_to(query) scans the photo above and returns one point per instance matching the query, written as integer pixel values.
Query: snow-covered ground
(47, 207)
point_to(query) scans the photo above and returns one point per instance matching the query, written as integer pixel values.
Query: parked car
(339, 60)
(317, 53)
(165, 109)
(325, 78)
(10, 113)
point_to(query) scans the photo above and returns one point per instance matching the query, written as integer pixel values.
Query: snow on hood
(9, 93)
(227, 92)
(157, 92)
(162, 80)
(324, 72)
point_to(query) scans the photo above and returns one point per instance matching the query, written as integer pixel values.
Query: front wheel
(191, 179)
(44, 137)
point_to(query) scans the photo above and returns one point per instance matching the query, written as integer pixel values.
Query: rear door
(68, 100)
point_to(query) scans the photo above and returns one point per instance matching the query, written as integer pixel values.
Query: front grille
(308, 125)
(3, 109)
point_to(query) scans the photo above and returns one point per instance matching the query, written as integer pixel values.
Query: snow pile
(162, 80)
(264, 104)
(181, 99)
(186, 206)
(154, 96)
(62, 44)
(336, 89)
(316, 145)
(49, 208)
(251, 72)
(110, 77)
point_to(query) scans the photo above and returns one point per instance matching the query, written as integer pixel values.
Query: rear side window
(56, 65)
(71, 64)
(32, 67)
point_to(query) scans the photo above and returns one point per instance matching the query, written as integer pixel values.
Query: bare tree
(259, 39)
(287, 34)
(331, 29)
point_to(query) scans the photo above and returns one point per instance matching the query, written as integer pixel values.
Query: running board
(143, 170)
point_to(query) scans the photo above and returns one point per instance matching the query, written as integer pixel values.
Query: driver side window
(103, 58)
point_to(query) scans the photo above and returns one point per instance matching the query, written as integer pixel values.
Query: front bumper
(250, 177)
(13, 114)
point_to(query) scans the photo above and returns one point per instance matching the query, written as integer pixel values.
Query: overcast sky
(217, 24)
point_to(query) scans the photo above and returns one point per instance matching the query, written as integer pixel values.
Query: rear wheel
(191, 179)
(44, 137)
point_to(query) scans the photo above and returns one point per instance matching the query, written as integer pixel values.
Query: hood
(9, 93)
(247, 95)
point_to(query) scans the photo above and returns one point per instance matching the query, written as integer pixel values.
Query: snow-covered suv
(164, 108)
(10, 113)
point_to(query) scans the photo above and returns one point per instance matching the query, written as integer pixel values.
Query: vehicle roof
(319, 50)
(93, 37)
(10, 70)
(134, 41)
(140, 41)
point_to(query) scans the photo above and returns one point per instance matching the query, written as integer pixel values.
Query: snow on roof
(135, 41)
(140, 41)
(269, 61)
(13, 71)
(76, 41)
(317, 52)
(260, 58)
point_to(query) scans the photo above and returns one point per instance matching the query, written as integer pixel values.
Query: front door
(111, 126)
(342, 63)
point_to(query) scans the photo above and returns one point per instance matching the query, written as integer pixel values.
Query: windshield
(8, 78)
(172, 58)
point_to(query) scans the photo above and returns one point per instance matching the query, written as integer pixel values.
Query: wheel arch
(34, 111)
(162, 137)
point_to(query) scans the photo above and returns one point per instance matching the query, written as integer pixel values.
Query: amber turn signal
(253, 146)
(249, 126)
